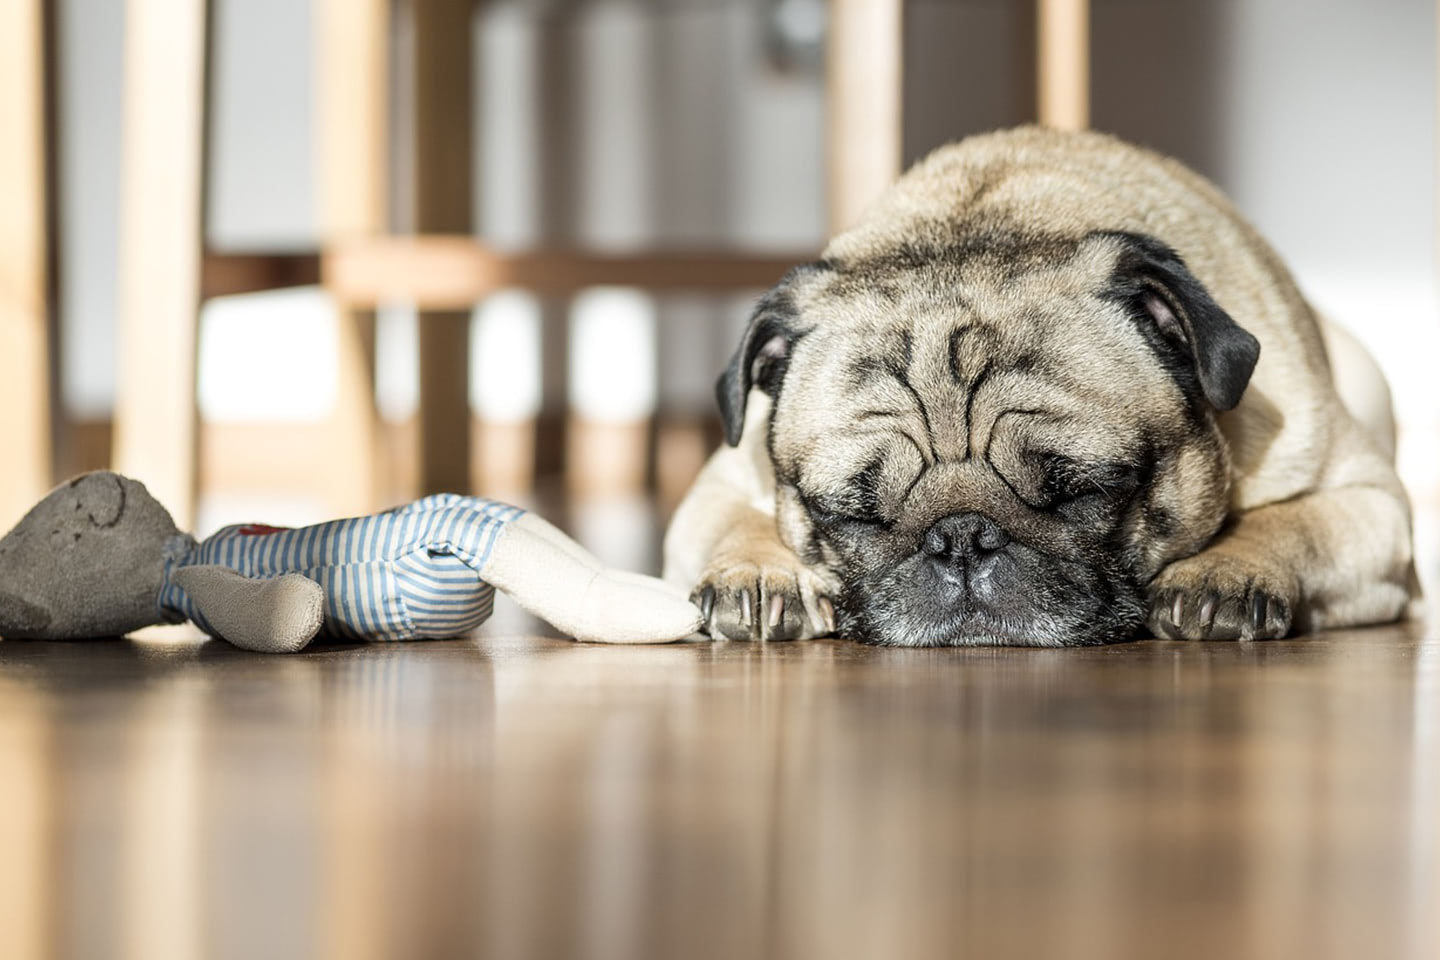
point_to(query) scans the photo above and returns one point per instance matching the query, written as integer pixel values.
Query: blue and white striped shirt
(414, 573)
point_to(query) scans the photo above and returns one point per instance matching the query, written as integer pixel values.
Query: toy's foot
(266, 616)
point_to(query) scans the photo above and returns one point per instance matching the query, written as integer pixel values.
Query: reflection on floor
(528, 797)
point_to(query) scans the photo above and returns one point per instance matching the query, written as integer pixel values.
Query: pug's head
(994, 438)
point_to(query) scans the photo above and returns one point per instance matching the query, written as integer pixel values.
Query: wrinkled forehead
(1027, 286)
(952, 328)
(956, 356)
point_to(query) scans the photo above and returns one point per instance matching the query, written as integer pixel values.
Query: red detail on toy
(260, 530)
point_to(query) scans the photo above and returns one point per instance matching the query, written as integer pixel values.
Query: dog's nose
(964, 536)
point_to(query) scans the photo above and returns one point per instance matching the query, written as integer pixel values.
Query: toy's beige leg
(558, 581)
(266, 616)
(554, 536)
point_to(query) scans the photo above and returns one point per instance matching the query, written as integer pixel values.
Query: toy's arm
(267, 616)
(557, 580)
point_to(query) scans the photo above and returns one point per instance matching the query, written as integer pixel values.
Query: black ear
(1167, 298)
(763, 354)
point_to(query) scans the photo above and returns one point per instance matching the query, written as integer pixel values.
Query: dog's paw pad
(1221, 598)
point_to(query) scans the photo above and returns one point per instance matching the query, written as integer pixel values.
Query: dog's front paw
(1215, 597)
(770, 598)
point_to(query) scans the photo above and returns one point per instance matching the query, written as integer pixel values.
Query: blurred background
(288, 259)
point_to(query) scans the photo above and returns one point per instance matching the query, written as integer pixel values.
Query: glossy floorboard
(526, 797)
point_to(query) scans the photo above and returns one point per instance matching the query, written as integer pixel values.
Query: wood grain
(527, 797)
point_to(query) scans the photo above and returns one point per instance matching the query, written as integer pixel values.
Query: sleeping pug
(1051, 390)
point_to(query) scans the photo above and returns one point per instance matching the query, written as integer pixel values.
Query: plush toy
(100, 557)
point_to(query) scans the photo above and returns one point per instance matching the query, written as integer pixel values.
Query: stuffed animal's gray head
(87, 561)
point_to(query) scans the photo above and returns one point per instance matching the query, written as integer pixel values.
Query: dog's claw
(1207, 613)
(1258, 604)
(753, 601)
(1222, 598)
(827, 611)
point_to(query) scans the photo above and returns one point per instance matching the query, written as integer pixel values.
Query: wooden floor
(531, 797)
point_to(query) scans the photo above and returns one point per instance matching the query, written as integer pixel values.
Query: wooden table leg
(162, 184)
(24, 357)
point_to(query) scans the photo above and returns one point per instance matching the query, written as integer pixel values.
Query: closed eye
(1069, 482)
(837, 516)
(872, 495)
(827, 518)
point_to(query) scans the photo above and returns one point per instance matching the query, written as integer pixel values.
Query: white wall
(88, 94)
(262, 170)
(1318, 119)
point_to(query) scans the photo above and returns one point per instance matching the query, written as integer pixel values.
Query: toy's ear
(763, 356)
(101, 495)
(20, 618)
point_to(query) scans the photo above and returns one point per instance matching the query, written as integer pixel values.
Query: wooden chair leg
(162, 184)
(443, 190)
(355, 481)
(1063, 63)
(24, 359)
(865, 103)
(352, 85)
